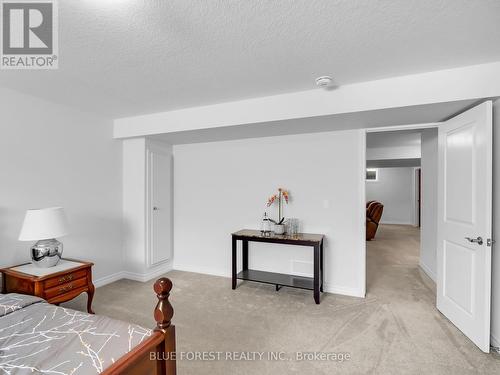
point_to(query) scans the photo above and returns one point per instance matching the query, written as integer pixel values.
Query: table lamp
(44, 225)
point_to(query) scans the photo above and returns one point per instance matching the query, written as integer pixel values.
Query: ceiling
(130, 57)
(412, 115)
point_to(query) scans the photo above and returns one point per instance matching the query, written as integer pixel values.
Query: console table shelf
(279, 279)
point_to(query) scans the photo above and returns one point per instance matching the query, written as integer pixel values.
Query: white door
(159, 206)
(464, 222)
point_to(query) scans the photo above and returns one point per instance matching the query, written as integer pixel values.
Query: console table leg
(234, 263)
(244, 254)
(317, 253)
(321, 266)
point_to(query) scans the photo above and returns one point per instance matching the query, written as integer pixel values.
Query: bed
(39, 338)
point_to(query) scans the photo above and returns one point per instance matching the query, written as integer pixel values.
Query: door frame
(153, 146)
(417, 196)
(362, 173)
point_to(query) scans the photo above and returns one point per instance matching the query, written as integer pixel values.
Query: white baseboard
(142, 277)
(428, 271)
(151, 274)
(352, 292)
(202, 270)
(345, 291)
(108, 279)
(396, 223)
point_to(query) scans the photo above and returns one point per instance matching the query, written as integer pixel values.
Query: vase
(279, 228)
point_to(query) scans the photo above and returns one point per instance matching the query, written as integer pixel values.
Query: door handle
(478, 240)
(155, 208)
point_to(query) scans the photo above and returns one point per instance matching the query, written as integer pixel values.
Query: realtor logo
(29, 34)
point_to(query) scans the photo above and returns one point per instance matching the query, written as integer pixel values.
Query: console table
(302, 239)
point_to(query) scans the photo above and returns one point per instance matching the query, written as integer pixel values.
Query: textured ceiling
(128, 57)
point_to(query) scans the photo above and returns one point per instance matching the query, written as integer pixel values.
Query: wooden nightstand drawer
(65, 288)
(59, 280)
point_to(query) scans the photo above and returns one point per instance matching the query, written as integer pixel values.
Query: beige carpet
(395, 330)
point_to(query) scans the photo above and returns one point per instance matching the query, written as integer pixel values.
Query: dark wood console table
(302, 239)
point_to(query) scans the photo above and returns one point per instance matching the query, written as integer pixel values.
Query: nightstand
(57, 284)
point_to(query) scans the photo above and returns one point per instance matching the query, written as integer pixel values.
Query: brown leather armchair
(368, 203)
(373, 215)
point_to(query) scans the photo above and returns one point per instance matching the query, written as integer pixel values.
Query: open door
(464, 222)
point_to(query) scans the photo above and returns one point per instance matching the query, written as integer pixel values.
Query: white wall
(393, 152)
(222, 187)
(395, 190)
(135, 210)
(134, 205)
(495, 305)
(428, 230)
(51, 155)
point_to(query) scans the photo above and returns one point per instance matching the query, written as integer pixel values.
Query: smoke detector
(324, 81)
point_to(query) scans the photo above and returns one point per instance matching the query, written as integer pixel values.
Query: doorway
(461, 206)
(394, 210)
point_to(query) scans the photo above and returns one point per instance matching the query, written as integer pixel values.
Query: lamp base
(46, 253)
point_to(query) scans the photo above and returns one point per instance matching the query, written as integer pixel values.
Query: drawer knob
(65, 278)
(66, 288)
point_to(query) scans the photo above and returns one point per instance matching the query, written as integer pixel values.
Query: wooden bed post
(156, 355)
(163, 315)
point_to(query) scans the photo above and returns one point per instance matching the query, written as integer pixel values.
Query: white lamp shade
(44, 224)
